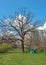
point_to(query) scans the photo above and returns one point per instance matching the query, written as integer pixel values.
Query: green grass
(22, 59)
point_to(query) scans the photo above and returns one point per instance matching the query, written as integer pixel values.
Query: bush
(5, 47)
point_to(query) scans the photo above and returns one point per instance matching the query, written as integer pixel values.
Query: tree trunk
(22, 45)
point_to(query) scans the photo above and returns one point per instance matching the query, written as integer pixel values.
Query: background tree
(42, 40)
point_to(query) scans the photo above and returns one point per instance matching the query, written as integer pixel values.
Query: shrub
(5, 47)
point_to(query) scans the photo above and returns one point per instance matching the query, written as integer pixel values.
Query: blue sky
(38, 7)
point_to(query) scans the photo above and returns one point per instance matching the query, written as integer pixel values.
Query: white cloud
(42, 27)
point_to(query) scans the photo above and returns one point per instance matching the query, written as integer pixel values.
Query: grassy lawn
(22, 59)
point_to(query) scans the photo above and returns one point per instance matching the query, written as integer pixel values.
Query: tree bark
(22, 45)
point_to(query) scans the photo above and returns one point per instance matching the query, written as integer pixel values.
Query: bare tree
(21, 24)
